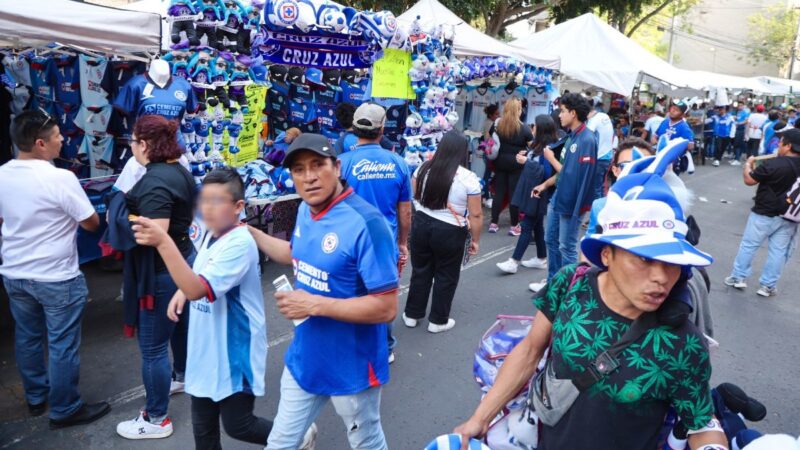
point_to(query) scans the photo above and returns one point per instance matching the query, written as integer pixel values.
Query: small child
(227, 343)
(275, 151)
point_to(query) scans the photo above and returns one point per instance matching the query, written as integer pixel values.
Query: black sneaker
(37, 410)
(87, 413)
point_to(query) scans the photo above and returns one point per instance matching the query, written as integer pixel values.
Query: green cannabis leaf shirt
(625, 410)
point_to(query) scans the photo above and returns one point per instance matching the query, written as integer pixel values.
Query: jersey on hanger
(98, 151)
(353, 93)
(95, 82)
(43, 81)
(463, 107)
(539, 102)
(481, 97)
(327, 97)
(326, 117)
(93, 121)
(301, 94)
(19, 68)
(302, 113)
(122, 72)
(68, 81)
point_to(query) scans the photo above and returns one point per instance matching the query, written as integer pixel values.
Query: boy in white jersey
(227, 351)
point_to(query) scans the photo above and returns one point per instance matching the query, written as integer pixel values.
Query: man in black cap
(675, 125)
(775, 178)
(345, 266)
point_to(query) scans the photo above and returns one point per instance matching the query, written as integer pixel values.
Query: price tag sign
(390, 75)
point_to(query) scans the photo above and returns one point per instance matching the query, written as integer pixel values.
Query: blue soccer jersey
(353, 93)
(93, 121)
(301, 94)
(302, 113)
(680, 129)
(345, 251)
(98, 151)
(141, 97)
(327, 96)
(68, 82)
(43, 79)
(380, 177)
(227, 342)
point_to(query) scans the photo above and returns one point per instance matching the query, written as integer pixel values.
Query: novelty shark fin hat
(643, 216)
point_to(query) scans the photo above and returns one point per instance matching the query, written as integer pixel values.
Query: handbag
(551, 397)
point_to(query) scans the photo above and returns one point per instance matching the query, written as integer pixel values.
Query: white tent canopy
(468, 41)
(593, 52)
(40, 22)
(779, 86)
(157, 7)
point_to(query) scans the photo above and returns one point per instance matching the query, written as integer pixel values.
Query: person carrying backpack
(622, 351)
(774, 216)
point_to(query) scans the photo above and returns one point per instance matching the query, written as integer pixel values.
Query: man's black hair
(367, 134)
(344, 114)
(577, 103)
(773, 115)
(229, 177)
(30, 126)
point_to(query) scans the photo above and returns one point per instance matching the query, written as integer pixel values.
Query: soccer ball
(334, 20)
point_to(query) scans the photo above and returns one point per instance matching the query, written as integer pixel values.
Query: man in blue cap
(618, 333)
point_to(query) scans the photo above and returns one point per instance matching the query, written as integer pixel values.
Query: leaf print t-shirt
(667, 366)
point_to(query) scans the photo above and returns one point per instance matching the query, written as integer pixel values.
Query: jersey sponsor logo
(180, 95)
(329, 242)
(94, 86)
(668, 225)
(311, 276)
(369, 170)
(147, 93)
(573, 147)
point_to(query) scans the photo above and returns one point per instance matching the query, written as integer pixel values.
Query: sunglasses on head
(46, 121)
(180, 58)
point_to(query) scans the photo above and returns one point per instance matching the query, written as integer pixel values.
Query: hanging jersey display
(480, 97)
(302, 113)
(93, 121)
(71, 145)
(463, 108)
(120, 125)
(68, 83)
(43, 81)
(539, 102)
(122, 72)
(19, 69)
(98, 150)
(396, 113)
(326, 117)
(66, 115)
(277, 103)
(95, 82)
(302, 94)
(327, 96)
(353, 93)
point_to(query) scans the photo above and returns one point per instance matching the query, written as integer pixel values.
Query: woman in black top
(165, 194)
(514, 138)
(534, 207)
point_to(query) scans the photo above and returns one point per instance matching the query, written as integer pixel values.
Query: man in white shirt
(41, 208)
(755, 126)
(652, 124)
(600, 123)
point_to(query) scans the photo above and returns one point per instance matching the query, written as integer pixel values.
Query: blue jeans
(298, 409)
(562, 240)
(601, 170)
(739, 144)
(532, 228)
(780, 235)
(52, 309)
(156, 332)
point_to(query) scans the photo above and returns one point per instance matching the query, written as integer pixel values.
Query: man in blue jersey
(675, 126)
(380, 177)
(345, 264)
(574, 186)
(739, 141)
(723, 130)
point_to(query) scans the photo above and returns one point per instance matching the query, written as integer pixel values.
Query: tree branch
(521, 17)
(647, 17)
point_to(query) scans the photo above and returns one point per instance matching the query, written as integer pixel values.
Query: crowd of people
(364, 216)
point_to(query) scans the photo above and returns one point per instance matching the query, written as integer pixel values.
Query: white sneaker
(535, 263)
(409, 322)
(734, 282)
(310, 439)
(736, 163)
(715, 163)
(536, 287)
(391, 357)
(434, 328)
(509, 266)
(487, 203)
(141, 428)
(176, 387)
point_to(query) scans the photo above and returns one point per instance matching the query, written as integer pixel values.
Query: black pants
(211, 33)
(505, 183)
(722, 146)
(532, 227)
(244, 41)
(752, 147)
(188, 27)
(237, 418)
(437, 249)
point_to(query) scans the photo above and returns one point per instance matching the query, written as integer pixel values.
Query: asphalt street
(432, 389)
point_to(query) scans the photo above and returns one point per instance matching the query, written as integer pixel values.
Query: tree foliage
(772, 35)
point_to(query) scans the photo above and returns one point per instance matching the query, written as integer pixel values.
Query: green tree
(772, 35)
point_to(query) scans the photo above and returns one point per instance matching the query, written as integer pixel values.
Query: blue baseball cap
(314, 76)
(643, 216)
(453, 442)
